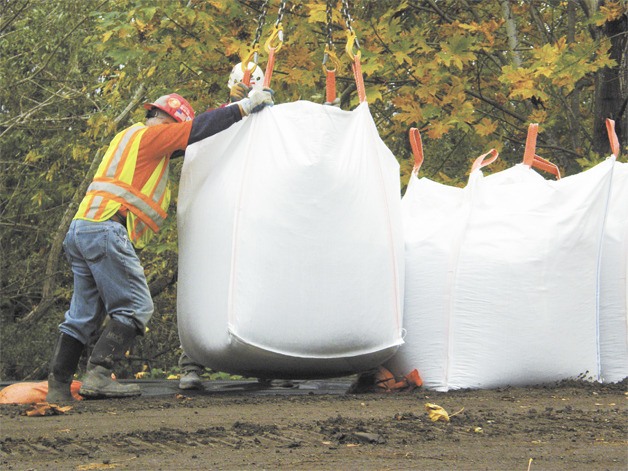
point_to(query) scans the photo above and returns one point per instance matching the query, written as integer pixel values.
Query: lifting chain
(260, 23)
(350, 33)
(330, 43)
(258, 34)
(329, 47)
(275, 41)
(352, 41)
(282, 7)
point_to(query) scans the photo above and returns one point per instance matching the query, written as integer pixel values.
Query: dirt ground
(319, 426)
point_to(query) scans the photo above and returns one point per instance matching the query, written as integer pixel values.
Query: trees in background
(470, 75)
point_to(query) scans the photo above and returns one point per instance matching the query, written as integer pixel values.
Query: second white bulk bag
(291, 251)
(614, 282)
(502, 279)
(524, 308)
(434, 215)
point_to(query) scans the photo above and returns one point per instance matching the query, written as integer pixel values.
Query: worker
(190, 370)
(125, 204)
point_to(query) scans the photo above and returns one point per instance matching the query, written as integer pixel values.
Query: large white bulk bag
(291, 248)
(434, 218)
(613, 281)
(502, 279)
(524, 308)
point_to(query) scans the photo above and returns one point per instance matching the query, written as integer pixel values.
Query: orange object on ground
(32, 393)
(386, 380)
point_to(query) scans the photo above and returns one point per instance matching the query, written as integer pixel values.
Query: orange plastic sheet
(385, 380)
(32, 393)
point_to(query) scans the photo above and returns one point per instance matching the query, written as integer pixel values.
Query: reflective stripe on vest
(112, 188)
(147, 210)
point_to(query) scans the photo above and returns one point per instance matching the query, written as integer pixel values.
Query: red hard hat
(175, 105)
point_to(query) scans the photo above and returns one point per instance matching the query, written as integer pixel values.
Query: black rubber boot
(65, 358)
(113, 343)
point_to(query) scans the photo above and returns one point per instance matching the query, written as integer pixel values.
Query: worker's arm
(212, 122)
(166, 139)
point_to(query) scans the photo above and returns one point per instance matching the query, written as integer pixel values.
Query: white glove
(256, 101)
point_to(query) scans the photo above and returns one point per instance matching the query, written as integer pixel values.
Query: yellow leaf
(106, 36)
(538, 116)
(486, 127)
(438, 129)
(317, 13)
(187, 42)
(401, 57)
(86, 467)
(373, 93)
(43, 408)
(436, 412)
(613, 10)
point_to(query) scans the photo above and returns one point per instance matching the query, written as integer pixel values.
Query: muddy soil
(568, 426)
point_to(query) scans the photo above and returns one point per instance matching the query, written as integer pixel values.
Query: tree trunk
(574, 99)
(611, 91)
(511, 31)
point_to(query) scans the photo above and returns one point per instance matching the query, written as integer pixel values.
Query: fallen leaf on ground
(43, 408)
(436, 412)
(85, 467)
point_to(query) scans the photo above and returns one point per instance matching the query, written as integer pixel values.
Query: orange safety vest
(111, 188)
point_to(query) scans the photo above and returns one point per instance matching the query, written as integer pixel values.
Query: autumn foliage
(470, 75)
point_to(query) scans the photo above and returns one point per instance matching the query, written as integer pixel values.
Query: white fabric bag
(434, 218)
(502, 279)
(613, 281)
(291, 252)
(525, 304)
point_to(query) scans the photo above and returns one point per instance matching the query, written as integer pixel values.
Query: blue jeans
(108, 279)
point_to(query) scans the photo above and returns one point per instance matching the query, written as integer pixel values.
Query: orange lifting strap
(612, 137)
(246, 79)
(355, 57)
(417, 149)
(352, 42)
(534, 161)
(528, 155)
(330, 74)
(356, 66)
(484, 160)
(329, 54)
(273, 44)
(546, 165)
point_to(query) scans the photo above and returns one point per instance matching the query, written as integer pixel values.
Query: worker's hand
(335, 103)
(256, 101)
(238, 92)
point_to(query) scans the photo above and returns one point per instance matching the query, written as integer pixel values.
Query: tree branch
(12, 19)
(54, 51)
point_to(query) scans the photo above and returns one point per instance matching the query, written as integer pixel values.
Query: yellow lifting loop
(252, 57)
(276, 35)
(330, 55)
(351, 42)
